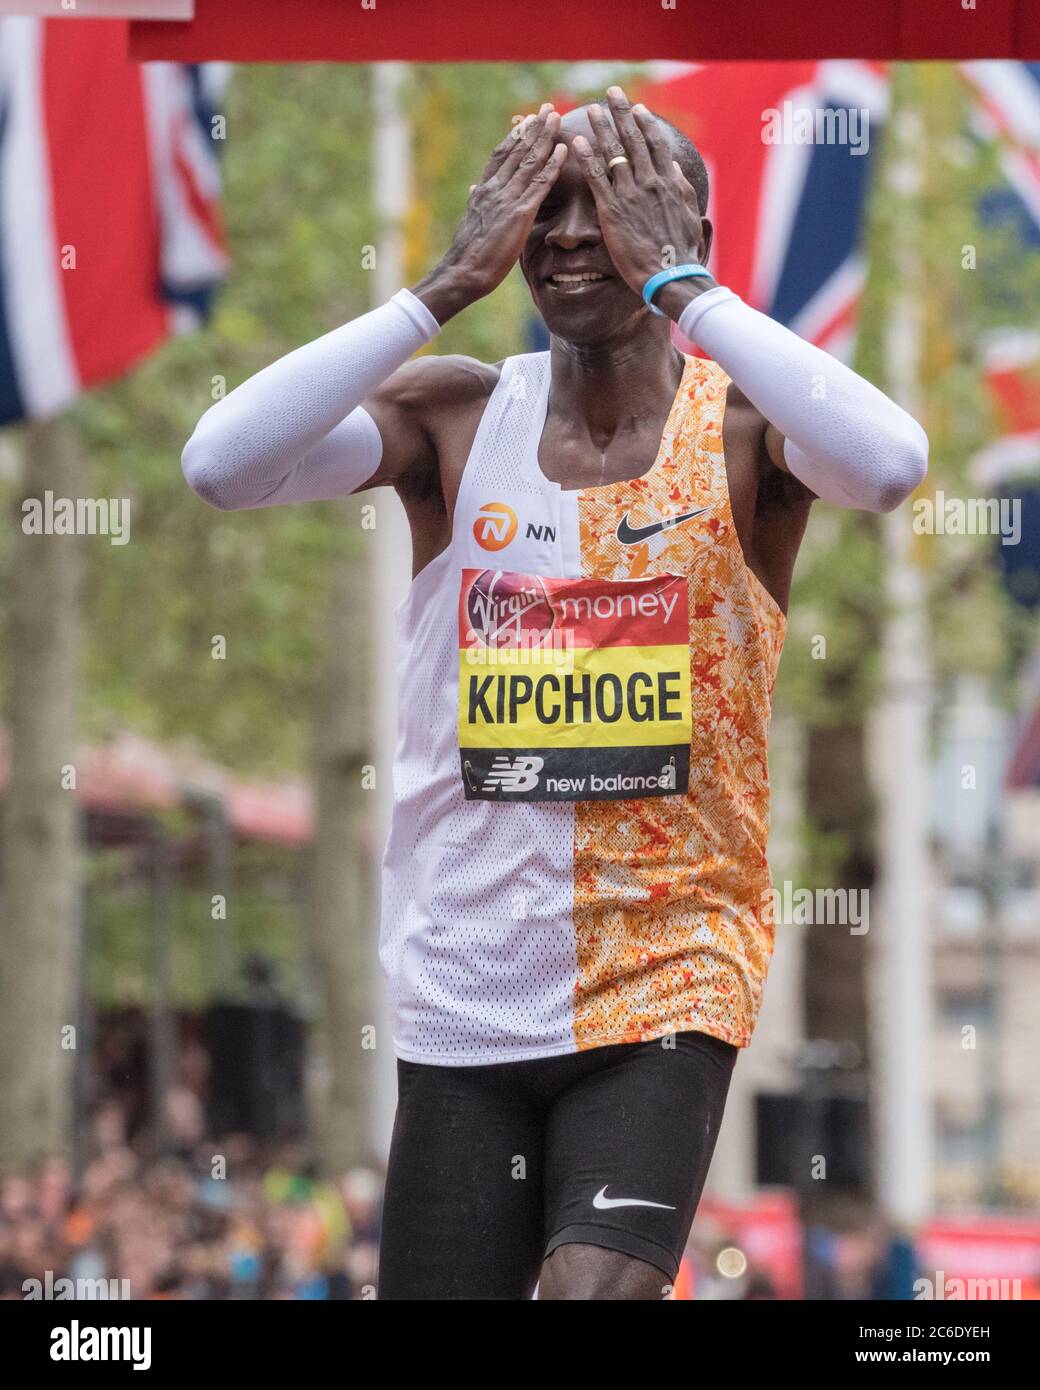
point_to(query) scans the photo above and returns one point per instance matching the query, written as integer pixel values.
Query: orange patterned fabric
(671, 894)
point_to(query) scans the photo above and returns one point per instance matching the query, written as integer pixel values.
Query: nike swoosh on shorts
(603, 1203)
(629, 535)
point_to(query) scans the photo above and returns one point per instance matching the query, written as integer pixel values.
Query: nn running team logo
(495, 526)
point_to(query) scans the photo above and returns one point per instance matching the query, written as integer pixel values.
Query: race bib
(573, 689)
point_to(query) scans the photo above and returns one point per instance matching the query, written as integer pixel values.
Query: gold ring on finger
(618, 159)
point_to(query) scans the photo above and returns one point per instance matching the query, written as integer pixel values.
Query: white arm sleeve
(843, 438)
(296, 432)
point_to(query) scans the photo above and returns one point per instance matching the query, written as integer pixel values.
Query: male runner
(603, 535)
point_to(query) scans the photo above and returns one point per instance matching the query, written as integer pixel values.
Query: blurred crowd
(195, 1217)
(225, 1221)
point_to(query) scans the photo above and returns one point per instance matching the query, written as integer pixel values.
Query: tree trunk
(835, 974)
(39, 851)
(839, 803)
(341, 942)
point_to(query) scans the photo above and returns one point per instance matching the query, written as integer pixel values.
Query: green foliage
(299, 225)
(262, 920)
(296, 195)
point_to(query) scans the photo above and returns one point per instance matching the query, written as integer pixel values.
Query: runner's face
(566, 240)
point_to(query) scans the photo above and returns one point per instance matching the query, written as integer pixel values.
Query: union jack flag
(790, 148)
(110, 237)
(1007, 110)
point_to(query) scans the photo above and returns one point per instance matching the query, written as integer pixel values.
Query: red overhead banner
(578, 30)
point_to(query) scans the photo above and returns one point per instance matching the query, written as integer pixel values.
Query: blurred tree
(39, 858)
(341, 926)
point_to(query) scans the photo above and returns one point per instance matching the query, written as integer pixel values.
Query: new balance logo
(513, 774)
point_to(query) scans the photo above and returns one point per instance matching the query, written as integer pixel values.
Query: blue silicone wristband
(664, 277)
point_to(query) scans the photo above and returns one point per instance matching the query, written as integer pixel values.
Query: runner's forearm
(843, 437)
(296, 431)
(446, 291)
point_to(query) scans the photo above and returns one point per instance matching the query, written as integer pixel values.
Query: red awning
(1024, 768)
(133, 776)
(580, 30)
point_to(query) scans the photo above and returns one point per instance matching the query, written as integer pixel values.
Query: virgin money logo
(495, 527)
(506, 612)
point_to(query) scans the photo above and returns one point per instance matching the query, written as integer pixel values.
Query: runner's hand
(499, 214)
(647, 210)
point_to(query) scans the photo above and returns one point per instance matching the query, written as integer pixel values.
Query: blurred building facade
(985, 950)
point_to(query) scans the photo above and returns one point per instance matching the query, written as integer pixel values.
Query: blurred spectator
(172, 1228)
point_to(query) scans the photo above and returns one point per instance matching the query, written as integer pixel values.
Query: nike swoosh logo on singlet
(629, 535)
(604, 1203)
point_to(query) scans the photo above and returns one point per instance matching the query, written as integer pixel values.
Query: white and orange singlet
(581, 793)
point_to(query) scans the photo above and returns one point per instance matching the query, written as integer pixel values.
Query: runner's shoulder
(428, 386)
(736, 400)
